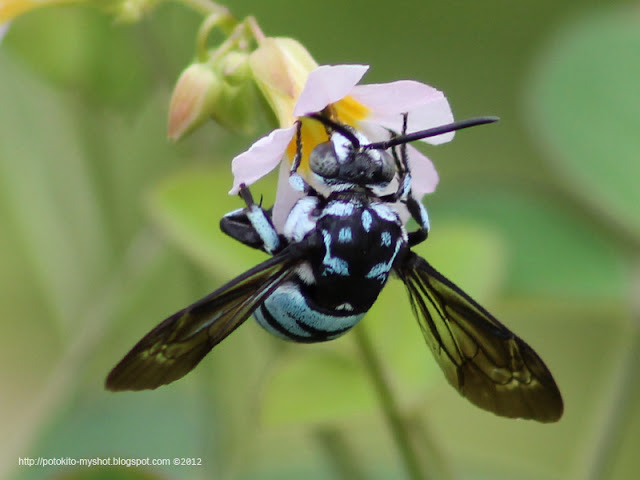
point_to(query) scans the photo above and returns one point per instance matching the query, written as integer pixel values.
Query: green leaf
(315, 385)
(49, 186)
(584, 107)
(70, 259)
(69, 47)
(188, 207)
(549, 249)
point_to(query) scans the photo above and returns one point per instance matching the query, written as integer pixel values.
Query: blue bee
(340, 243)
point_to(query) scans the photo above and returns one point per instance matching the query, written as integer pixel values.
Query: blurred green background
(107, 228)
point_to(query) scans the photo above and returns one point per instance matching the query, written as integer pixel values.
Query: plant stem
(390, 409)
(339, 453)
(625, 387)
(599, 458)
(209, 23)
(424, 441)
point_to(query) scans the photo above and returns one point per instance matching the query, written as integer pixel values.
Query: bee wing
(174, 347)
(481, 358)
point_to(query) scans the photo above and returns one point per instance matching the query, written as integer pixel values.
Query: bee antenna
(431, 132)
(345, 132)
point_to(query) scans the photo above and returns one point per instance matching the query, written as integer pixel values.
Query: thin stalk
(600, 459)
(234, 39)
(255, 29)
(210, 22)
(424, 441)
(339, 453)
(390, 409)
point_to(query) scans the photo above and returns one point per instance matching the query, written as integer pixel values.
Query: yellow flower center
(312, 133)
(9, 9)
(347, 111)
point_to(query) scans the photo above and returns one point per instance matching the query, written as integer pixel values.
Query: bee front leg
(252, 225)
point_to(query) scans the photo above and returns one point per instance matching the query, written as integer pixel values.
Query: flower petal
(424, 177)
(395, 97)
(327, 84)
(286, 197)
(427, 107)
(262, 157)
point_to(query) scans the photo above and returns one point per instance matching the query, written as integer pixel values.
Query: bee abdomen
(288, 314)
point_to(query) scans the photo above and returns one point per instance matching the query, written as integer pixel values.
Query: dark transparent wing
(481, 358)
(176, 346)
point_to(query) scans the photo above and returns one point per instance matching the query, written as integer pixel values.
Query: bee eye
(323, 160)
(388, 167)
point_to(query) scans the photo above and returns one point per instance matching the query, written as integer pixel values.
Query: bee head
(348, 160)
(343, 161)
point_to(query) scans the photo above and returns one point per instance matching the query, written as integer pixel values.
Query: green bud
(280, 67)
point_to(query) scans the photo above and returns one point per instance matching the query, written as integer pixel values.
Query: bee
(341, 242)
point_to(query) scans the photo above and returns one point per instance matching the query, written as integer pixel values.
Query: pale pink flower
(373, 110)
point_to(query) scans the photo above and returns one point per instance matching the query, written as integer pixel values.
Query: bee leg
(252, 225)
(236, 224)
(419, 213)
(417, 210)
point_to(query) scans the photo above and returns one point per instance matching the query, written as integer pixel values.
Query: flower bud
(234, 104)
(280, 68)
(223, 91)
(192, 99)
